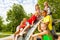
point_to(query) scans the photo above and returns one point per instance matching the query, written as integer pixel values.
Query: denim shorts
(38, 38)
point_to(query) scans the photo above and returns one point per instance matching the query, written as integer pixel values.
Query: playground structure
(27, 36)
(31, 31)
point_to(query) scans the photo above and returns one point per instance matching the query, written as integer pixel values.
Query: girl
(47, 8)
(37, 9)
(20, 28)
(44, 33)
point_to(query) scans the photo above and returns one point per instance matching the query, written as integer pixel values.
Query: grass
(5, 34)
(1, 36)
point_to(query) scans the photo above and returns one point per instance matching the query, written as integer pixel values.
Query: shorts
(38, 38)
(18, 28)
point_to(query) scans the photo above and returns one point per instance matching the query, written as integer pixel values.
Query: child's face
(44, 14)
(37, 8)
(24, 19)
(45, 3)
(36, 14)
(43, 27)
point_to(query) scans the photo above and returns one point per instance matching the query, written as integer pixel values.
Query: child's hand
(33, 35)
(31, 25)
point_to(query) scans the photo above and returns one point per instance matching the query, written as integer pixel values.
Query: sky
(5, 5)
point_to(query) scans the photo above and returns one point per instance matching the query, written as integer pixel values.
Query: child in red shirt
(31, 21)
(33, 18)
(21, 27)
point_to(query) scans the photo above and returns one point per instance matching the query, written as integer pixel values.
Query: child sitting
(44, 33)
(21, 27)
(31, 21)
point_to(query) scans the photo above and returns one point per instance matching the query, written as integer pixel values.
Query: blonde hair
(46, 3)
(46, 28)
(37, 5)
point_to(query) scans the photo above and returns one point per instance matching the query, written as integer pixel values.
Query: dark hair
(37, 5)
(45, 11)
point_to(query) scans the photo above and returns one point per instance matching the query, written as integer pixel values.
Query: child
(33, 18)
(47, 8)
(44, 33)
(31, 21)
(21, 27)
(37, 8)
(48, 21)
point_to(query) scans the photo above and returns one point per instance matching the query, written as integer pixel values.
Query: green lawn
(5, 34)
(1, 36)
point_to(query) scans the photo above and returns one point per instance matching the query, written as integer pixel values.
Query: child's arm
(42, 33)
(39, 22)
(39, 29)
(21, 23)
(25, 28)
(32, 23)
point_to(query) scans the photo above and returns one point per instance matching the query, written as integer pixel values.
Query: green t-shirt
(47, 37)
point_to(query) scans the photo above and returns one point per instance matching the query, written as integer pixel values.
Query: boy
(48, 21)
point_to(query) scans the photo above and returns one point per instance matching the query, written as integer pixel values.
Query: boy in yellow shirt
(48, 21)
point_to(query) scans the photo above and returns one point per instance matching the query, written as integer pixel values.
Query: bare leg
(17, 33)
(34, 38)
(16, 37)
(30, 38)
(22, 32)
(59, 38)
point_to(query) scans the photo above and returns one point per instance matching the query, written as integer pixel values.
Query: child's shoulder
(46, 31)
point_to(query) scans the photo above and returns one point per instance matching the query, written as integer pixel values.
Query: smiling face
(24, 19)
(36, 14)
(45, 3)
(44, 13)
(43, 26)
(37, 7)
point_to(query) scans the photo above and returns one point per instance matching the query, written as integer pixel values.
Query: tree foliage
(55, 9)
(54, 5)
(1, 22)
(14, 16)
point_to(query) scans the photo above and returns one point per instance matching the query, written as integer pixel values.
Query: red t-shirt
(23, 26)
(32, 18)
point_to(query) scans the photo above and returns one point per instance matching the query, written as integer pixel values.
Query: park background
(13, 11)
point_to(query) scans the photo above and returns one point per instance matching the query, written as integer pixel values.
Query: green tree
(4, 28)
(1, 23)
(14, 16)
(55, 9)
(54, 5)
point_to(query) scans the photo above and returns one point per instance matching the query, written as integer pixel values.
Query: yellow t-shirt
(48, 19)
